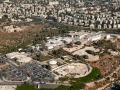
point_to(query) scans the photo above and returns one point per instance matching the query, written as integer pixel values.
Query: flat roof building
(20, 57)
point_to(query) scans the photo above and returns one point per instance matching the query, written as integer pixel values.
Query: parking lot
(13, 74)
(30, 71)
(37, 72)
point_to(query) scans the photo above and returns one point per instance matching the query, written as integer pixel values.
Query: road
(10, 83)
(104, 78)
(9, 61)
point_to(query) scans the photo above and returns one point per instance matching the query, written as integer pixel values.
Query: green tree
(78, 43)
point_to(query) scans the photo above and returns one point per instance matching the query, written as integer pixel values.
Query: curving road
(104, 78)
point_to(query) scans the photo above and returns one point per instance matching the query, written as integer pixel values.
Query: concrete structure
(53, 3)
(107, 37)
(54, 42)
(75, 70)
(94, 37)
(114, 53)
(79, 35)
(52, 64)
(10, 29)
(20, 58)
(67, 40)
(8, 87)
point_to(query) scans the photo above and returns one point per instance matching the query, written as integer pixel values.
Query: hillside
(8, 41)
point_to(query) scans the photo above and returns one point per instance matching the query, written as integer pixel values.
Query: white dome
(52, 62)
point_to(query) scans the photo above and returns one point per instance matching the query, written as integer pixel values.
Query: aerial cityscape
(60, 45)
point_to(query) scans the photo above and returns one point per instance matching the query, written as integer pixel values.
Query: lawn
(26, 87)
(41, 57)
(31, 87)
(94, 75)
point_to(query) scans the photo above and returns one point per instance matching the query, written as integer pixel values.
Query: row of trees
(60, 52)
(91, 52)
(50, 32)
(70, 45)
(41, 57)
(106, 44)
(77, 57)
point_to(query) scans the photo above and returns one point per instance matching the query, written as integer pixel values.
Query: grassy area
(62, 87)
(42, 57)
(31, 87)
(59, 52)
(26, 87)
(76, 83)
(94, 75)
